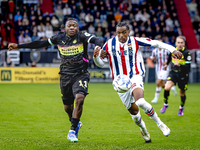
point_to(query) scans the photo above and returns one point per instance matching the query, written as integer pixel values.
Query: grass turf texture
(32, 117)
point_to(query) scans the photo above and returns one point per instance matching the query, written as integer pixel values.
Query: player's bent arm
(96, 57)
(98, 61)
(35, 44)
(154, 43)
(96, 41)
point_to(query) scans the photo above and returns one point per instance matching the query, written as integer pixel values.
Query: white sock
(148, 109)
(173, 88)
(138, 121)
(157, 93)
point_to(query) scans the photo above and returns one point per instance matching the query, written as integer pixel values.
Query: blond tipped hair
(180, 37)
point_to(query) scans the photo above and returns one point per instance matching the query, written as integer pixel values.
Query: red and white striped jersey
(125, 58)
(161, 56)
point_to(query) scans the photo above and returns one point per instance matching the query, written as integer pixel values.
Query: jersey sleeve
(53, 40)
(89, 38)
(154, 43)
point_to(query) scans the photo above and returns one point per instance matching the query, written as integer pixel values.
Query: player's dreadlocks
(121, 24)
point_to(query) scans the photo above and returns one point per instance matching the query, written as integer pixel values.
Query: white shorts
(127, 98)
(162, 74)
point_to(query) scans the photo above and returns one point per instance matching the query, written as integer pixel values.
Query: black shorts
(182, 80)
(70, 86)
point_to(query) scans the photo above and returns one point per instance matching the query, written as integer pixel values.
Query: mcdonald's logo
(6, 75)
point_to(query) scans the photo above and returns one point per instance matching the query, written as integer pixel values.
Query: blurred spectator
(118, 16)
(91, 29)
(4, 9)
(192, 6)
(27, 39)
(67, 11)
(110, 17)
(59, 12)
(8, 27)
(34, 36)
(104, 24)
(123, 6)
(55, 23)
(18, 15)
(49, 32)
(41, 33)
(74, 12)
(99, 33)
(11, 7)
(89, 18)
(139, 16)
(41, 26)
(8, 63)
(33, 64)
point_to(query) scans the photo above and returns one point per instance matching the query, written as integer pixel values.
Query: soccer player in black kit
(72, 45)
(179, 73)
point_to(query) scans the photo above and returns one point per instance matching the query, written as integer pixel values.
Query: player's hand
(96, 51)
(177, 54)
(103, 54)
(176, 63)
(12, 46)
(165, 67)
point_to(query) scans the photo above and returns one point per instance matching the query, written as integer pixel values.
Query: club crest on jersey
(87, 34)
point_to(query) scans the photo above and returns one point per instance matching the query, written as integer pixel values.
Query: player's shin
(138, 120)
(183, 98)
(148, 109)
(74, 123)
(158, 89)
(166, 95)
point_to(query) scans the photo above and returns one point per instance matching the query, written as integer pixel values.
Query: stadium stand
(186, 24)
(146, 18)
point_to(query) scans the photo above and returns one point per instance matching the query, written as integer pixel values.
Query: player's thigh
(171, 80)
(66, 91)
(81, 84)
(183, 83)
(137, 82)
(127, 98)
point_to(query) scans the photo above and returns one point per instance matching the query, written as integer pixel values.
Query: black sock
(166, 95)
(74, 123)
(183, 100)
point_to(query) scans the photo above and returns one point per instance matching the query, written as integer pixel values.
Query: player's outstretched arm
(34, 45)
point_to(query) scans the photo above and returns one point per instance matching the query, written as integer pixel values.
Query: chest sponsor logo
(71, 50)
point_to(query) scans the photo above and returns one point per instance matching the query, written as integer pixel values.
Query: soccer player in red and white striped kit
(124, 58)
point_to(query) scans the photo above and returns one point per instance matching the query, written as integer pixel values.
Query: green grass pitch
(32, 117)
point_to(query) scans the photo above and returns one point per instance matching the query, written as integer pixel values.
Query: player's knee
(79, 100)
(134, 112)
(68, 108)
(167, 88)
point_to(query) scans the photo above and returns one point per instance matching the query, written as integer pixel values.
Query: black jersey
(73, 51)
(184, 62)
